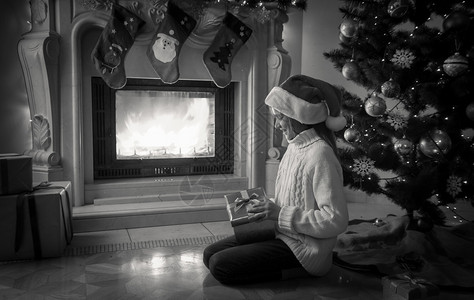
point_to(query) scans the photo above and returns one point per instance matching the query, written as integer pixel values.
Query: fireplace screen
(164, 124)
(149, 129)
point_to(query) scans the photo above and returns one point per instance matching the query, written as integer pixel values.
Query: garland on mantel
(259, 10)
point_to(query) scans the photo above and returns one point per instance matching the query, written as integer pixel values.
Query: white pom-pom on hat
(309, 101)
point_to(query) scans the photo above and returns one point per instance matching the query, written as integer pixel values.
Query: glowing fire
(164, 124)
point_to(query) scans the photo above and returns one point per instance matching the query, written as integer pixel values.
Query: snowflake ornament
(363, 166)
(453, 185)
(397, 121)
(403, 58)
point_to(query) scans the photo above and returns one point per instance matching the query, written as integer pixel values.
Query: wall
(15, 132)
(317, 31)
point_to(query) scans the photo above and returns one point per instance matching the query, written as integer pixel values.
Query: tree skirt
(444, 255)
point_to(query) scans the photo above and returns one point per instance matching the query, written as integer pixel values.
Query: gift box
(237, 208)
(405, 286)
(16, 174)
(36, 224)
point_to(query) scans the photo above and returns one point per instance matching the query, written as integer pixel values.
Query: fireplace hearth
(151, 129)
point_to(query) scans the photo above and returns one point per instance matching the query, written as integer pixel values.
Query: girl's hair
(326, 134)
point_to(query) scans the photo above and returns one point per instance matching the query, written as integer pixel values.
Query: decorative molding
(38, 51)
(41, 133)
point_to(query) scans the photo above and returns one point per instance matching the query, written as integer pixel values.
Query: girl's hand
(264, 210)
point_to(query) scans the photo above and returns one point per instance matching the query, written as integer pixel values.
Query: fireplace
(151, 129)
(55, 58)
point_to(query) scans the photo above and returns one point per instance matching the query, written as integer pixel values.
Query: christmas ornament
(424, 224)
(435, 143)
(390, 88)
(375, 106)
(453, 185)
(455, 65)
(171, 33)
(113, 45)
(399, 8)
(363, 166)
(403, 147)
(348, 28)
(456, 21)
(231, 36)
(350, 70)
(470, 111)
(351, 135)
(344, 38)
(397, 121)
(403, 58)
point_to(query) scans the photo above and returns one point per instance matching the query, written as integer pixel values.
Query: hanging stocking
(228, 40)
(113, 45)
(164, 49)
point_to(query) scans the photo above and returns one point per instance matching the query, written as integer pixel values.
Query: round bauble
(348, 28)
(351, 135)
(456, 21)
(403, 147)
(435, 144)
(375, 106)
(424, 224)
(470, 111)
(455, 65)
(390, 88)
(344, 38)
(350, 70)
(399, 8)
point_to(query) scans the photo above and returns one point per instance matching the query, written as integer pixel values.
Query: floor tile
(167, 232)
(219, 228)
(100, 238)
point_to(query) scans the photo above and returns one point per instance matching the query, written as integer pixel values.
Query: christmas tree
(414, 58)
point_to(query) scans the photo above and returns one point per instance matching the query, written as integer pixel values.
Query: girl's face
(282, 123)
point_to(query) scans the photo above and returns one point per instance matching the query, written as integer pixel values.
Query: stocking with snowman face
(113, 45)
(163, 51)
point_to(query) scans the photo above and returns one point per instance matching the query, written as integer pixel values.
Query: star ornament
(403, 58)
(453, 185)
(397, 121)
(363, 166)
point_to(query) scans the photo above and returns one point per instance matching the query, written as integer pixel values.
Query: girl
(309, 209)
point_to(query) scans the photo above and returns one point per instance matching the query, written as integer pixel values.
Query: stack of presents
(35, 220)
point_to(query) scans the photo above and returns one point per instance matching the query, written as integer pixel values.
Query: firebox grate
(106, 164)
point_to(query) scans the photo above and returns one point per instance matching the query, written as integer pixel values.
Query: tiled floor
(174, 272)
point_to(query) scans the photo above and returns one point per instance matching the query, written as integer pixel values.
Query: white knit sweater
(309, 189)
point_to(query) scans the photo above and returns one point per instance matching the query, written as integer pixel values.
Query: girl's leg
(218, 246)
(250, 263)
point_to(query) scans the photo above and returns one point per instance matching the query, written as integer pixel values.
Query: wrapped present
(36, 224)
(408, 287)
(16, 174)
(237, 209)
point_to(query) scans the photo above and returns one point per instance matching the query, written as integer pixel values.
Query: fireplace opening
(151, 129)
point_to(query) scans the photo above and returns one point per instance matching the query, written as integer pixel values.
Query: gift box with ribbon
(16, 174)
(36, 224)
(237, 208)
(407, 287)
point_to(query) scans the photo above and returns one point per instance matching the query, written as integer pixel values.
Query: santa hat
(308, 101)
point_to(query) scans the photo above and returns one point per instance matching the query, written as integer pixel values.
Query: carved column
(279, 68)
(38, 51)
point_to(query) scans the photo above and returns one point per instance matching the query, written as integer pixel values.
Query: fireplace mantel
(56, 67)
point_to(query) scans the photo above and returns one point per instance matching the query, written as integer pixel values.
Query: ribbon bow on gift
(241, 202)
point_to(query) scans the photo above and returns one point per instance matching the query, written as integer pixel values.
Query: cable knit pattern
(309, 189)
